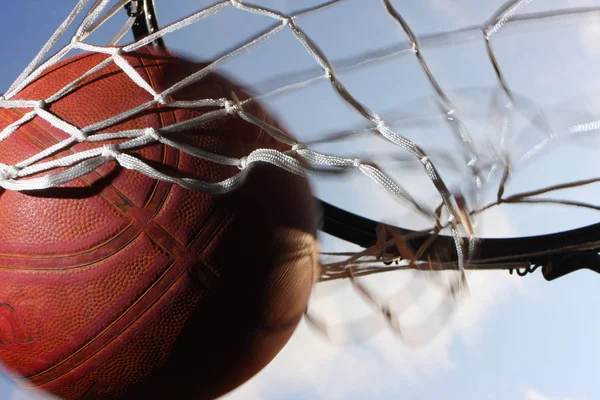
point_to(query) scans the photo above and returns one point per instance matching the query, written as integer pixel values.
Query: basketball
(117, 285)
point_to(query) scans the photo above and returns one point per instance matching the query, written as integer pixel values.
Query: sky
(511, 338)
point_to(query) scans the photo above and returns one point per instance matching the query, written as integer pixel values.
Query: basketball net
(453, 213)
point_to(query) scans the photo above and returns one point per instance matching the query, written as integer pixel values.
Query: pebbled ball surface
(120, 286)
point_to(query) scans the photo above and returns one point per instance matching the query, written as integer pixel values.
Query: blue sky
(513, 338)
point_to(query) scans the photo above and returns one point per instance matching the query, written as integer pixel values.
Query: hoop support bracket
(570, 262)
(146, 21)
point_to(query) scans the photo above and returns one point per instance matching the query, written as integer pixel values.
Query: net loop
(110, 152)
(76, 133)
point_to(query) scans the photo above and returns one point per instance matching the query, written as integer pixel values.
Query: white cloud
(459, 15)
(532, 394)
(589, 30)
(382, 363)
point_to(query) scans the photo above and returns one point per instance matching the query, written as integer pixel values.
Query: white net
(483, 166)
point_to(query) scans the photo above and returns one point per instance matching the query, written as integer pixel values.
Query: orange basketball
(118, 285)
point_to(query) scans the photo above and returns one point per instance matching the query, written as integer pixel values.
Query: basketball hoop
(451, 242)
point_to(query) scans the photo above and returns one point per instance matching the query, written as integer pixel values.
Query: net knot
(160, 99)
(487, 32)
(243, 163)
(297, 147)
(80, 136)
(356, 162)
(153, 133)
(8, 172)
(231, 107)
(110, 151)
(380, 124)
(41, 104)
